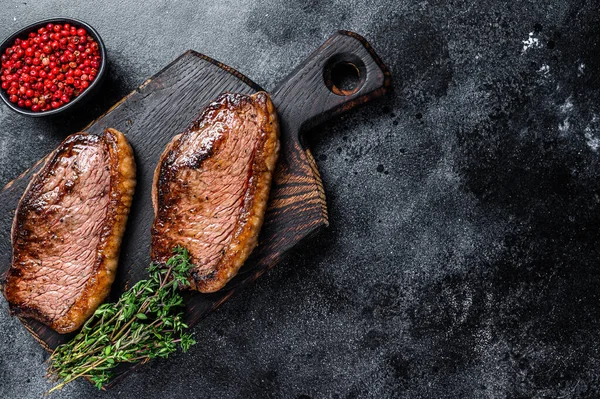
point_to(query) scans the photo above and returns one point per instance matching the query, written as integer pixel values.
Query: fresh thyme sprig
(145, 323)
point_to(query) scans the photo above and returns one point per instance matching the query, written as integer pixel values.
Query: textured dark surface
(461, 260)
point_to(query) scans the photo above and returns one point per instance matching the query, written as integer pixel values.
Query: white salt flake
(544, 69)
(592, 141)
(564, 126)
(567, 106)
(531, 42)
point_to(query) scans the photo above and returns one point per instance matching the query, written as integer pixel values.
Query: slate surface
(462, 257)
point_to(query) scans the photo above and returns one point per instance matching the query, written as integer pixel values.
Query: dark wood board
(169, 101)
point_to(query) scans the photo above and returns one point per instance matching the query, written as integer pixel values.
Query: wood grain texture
(166, 104)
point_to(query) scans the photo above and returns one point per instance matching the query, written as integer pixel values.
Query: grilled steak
(67, 230)
(211, 187)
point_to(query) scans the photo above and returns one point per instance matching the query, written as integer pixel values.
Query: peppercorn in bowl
(51, 66)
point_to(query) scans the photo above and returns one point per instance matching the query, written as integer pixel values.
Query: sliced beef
(211, 187)
(67, 230)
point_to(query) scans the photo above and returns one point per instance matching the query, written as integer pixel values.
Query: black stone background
(462, 257)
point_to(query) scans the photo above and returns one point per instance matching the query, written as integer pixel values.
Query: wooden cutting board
(169, 101)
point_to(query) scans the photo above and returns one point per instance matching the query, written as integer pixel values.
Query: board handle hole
(344, 74)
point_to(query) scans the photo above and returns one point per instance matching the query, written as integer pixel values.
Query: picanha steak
(211, 187)
(67, 230)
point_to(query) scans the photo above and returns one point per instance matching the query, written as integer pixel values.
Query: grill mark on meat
(211, 187)
(68, 228)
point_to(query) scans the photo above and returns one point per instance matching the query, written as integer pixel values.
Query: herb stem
(65, 382)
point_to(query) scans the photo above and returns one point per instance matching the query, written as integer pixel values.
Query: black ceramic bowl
(92, 88)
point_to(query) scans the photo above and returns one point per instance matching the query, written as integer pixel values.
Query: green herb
(144, 324)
